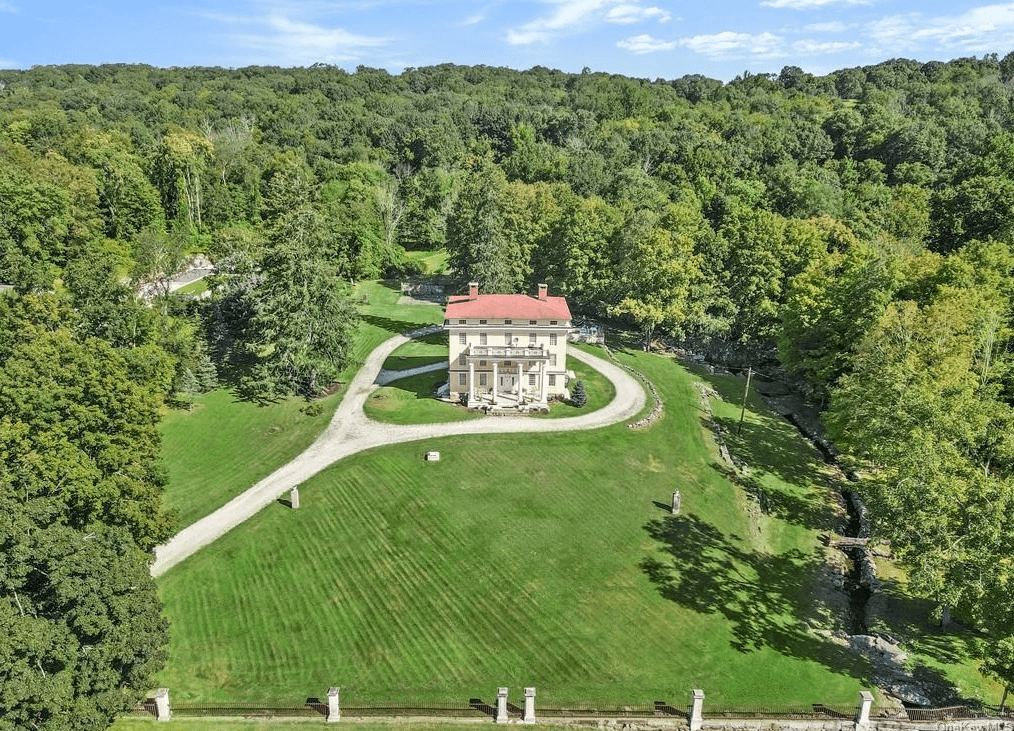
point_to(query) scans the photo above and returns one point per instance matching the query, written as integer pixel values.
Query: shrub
(579, 394)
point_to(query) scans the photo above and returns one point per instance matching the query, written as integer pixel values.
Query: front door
(508, 383)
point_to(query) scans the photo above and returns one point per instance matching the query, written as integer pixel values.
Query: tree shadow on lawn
(767, 599)
(405, 362)
(395, 327)
(809, 510)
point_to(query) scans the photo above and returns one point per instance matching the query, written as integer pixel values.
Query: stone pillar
(495, 382)
(501, 705)
(676, 502)
(529, 716)
(696, 709)
(863, 712)
(471, 382)
(334, 713)
(294, 498)
(162, 712)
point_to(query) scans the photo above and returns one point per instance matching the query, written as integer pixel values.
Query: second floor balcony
(506, 352)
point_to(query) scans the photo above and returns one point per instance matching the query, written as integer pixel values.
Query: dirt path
(350, 431)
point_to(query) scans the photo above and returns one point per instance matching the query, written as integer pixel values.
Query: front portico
(506, 375)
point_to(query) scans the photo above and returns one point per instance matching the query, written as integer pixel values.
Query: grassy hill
(526, 560)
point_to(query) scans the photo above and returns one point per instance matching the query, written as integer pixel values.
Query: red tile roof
(507, 306)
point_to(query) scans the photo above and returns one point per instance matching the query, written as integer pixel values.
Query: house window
(482, 364)
(482, 338)
(552, 379)
(462, 379)
(482, 379)
(461, 359)
(462, 322)
(532, 337)
(531, 379)
(507, 364)
(507, 322)
(553, 322)
(508, 338)
(482, 322)
(462, 338)
(533, 322)
(552, 338)
(552, 359)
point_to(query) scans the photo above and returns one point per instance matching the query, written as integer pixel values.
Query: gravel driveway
(350, 431)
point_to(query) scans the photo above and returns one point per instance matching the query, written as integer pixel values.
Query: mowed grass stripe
(432, 579)
(515, 560)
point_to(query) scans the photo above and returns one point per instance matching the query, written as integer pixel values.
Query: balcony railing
(507, 352)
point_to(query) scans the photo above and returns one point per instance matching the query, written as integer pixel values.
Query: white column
(696, 709)
(521, 381)
(501, 705)
(494, 382)
(162, 712)
(863, 712)
(529, 716)
(294, 498)
(471, 382)
(334, 712)
(542, 381)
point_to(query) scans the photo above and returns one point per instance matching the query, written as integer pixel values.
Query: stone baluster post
(162, 712)
(294, 498)
(696, 709)
(863, 712)
(501, 705)
(529, 716)
(334, 713)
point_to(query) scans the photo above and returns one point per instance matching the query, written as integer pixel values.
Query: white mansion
(507, 349)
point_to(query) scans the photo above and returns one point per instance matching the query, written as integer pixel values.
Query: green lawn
(421, 351)
(225, 445)
(199, 286)
(411, 401)
(547, 560)
(434, 261)
(240, 724)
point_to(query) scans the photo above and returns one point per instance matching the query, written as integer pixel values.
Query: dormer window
(482, 322)
(553, 322)
(508, 322)
(533, 322)
(462, 322)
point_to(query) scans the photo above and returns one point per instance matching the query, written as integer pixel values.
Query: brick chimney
(473, 289)
(543, 292)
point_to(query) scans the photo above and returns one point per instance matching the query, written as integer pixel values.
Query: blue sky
(643, 38)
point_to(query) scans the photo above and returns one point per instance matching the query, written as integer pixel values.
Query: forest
(857, 228)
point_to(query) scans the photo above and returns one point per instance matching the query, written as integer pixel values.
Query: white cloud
(813, 48)
(284, 41)
(833, 26)
(628, 13)
(572, 16)
(473, 20)
(728, 44)
(806, 4)
(980, 29)
(6, 7)
(645, 44)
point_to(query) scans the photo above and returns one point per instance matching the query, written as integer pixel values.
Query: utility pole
(746, 391)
